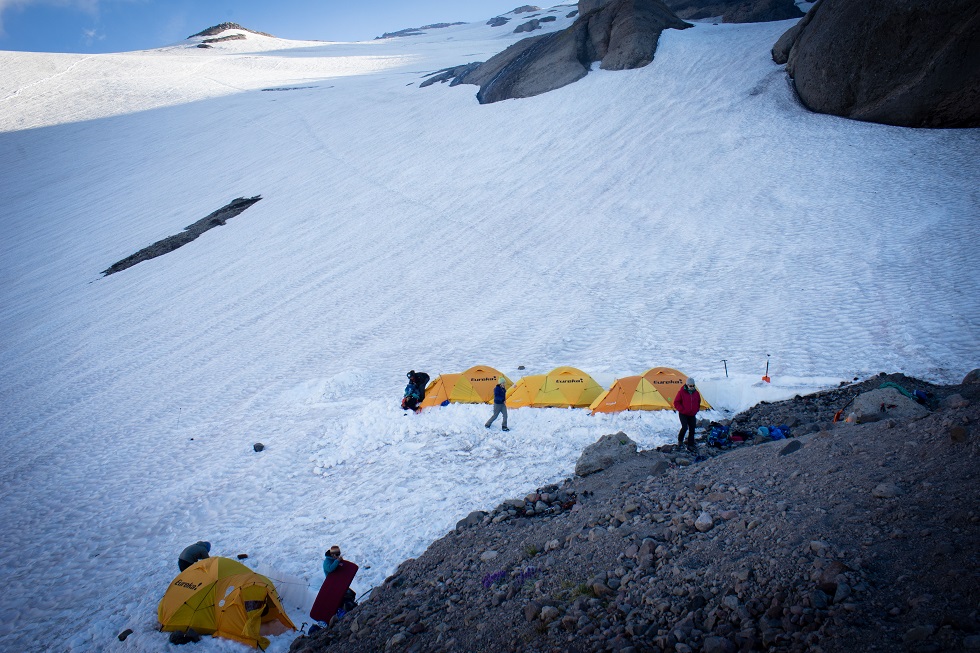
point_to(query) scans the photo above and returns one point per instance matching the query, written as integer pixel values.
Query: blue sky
(123, 25)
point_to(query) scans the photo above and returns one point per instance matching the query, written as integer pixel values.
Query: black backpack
(420, 380)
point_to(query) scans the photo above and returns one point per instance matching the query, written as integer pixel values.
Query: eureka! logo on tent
(570, 381)
(185, 584)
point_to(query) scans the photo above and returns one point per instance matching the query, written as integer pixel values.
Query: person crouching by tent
(499, 407)
(415, 390)
(687, 403)
(193, 553)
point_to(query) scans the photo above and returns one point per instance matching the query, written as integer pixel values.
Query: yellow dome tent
(668, 381)
(561, 387)
(474, 386)
(630, 393)
(222, 597)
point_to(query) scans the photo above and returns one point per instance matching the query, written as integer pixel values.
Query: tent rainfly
(655, 390)
(565, 387)
(668, 381)
(630, 393)
(222, 597)
(474, 386)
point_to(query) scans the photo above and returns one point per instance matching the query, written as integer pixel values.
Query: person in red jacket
(687, 403)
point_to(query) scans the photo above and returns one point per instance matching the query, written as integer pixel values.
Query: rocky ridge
(848, 537)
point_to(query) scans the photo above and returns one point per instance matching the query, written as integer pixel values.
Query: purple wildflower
(490, 579)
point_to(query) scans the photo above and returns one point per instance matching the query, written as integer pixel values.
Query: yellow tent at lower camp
(474, 386)
(630, 393)
(654, 390)
(668, 381)
(561, 387)
(222, 597)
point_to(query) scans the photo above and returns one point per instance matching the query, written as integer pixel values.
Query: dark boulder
(529, 26)
(781, 50)
(622, 35)
(888, 61)
(729, 11)
(736, 11)
(456, 74)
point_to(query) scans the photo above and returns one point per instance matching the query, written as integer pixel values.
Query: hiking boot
(505, 429)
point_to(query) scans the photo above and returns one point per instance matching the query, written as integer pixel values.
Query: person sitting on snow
(193, 553)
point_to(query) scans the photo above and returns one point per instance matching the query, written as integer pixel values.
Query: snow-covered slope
(679, 214)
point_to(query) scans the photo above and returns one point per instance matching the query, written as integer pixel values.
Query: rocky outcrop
(214, 30)
(190, 233)
(415, 31)
(885, 403)
(222, 39)
(455, 75)
(888, 61)
(782, 47)
(622, 35)
(609, 450)
(499, 21)
(529, 26)
(728, 11)
(736, 11)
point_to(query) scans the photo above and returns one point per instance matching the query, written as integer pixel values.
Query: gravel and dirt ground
(844, 537)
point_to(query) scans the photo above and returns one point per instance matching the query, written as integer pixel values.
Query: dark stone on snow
(190, 233)
(124, 634)
(888, 61)
(529, 26)
(257, 447)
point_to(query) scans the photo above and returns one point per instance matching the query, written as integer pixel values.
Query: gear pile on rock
(846, 537)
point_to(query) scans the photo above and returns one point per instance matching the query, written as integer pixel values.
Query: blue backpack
(718, 436)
